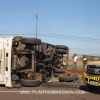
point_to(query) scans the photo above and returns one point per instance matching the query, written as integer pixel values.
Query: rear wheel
(56, 70)
(33, 41)
(29, 83)
(61, 51)
(61, 47)
(56, 74)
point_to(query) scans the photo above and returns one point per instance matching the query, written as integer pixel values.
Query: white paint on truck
(5, 61)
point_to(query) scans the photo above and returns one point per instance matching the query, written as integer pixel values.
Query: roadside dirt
(80, 72)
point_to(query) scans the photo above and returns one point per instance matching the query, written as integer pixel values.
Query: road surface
(51, 91)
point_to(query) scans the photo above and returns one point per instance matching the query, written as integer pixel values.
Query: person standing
(75, 60)
(84, 61)
(64, 64)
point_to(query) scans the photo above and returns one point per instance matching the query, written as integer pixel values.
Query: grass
(80, 77)
(79, 67)
(54, 79)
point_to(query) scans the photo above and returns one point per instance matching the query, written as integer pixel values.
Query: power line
(49, 36)
(82, 49)
(70, 36)
(93, 40)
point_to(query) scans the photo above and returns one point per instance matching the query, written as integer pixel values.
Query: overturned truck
(28, 61)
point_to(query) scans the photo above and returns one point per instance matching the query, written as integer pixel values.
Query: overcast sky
(74, 23)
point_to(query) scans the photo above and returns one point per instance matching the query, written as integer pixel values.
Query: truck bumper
(91, 80)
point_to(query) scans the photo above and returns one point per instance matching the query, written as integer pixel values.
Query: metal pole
(36, 25)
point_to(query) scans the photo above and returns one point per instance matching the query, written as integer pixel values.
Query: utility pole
(36, 25)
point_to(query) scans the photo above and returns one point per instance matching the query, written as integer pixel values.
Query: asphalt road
(51, 91)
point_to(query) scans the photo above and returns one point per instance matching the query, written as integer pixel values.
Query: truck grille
(93, 70)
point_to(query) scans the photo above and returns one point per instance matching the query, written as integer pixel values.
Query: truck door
(1, 62)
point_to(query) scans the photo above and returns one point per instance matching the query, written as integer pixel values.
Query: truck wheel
(56, 74)
(33, 41)
(56, 70)
(64, 79)
(68, 77)
(61, 51)
(29, 83)
(61, 47)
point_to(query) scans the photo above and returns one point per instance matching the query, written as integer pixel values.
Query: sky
(74, 23)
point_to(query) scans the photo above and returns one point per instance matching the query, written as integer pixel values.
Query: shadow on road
(94, 90)
(71, 85)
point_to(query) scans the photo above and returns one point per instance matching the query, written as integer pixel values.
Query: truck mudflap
(91, 80)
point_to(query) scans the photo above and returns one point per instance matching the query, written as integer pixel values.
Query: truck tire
(68, 78)
(56, 74)
(61, 51)
(33, 41)
(61, 47)
(56, 70)
(64, 79)
(29, 83)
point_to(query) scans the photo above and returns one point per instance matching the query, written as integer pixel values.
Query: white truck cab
(5, 61)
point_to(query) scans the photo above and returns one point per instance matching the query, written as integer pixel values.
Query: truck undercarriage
(33, 61)
(29, 62)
